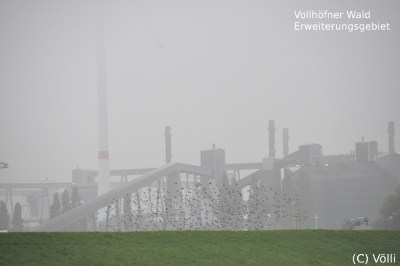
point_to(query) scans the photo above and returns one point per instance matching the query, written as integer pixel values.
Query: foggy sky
(215, 71)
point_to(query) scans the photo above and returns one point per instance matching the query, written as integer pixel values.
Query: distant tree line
(16, 224)
(68, 202)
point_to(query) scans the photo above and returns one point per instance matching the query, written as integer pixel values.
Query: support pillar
(108, 217)
(9, 200)
(45, 197)
(285, 142)
(173, 183)
(391, 137)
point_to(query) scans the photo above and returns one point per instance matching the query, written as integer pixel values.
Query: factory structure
(335, 189)
(303, 189)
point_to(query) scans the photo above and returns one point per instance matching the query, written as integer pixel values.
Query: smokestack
(391, 136)
(285, 142)
(168, 153)
(104, 184)
(271, 130)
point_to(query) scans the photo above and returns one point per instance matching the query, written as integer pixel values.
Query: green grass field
(297, 247)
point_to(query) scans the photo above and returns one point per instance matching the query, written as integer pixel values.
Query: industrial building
(304, 189)
(338, 188)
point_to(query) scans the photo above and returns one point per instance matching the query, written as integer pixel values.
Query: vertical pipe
(139, 212)
(166, 184)
(391, 136)
(94, 223)
(41, 211)
(108, 217)
(103, 155)
(271, 130)
(168, 153)
(285, 142)
(9, 200)
(118, 214)
(172, 183)
(158, 197)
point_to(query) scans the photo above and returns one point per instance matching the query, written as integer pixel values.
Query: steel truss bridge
(175, 196)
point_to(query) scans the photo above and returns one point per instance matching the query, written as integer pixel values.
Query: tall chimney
(271, 130)
(168, 153)
(104, 184)
(391, 136)
(285, 142)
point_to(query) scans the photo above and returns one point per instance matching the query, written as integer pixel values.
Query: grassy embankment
(300, 247)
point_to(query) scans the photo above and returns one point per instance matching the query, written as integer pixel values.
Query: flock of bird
(193, 205)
